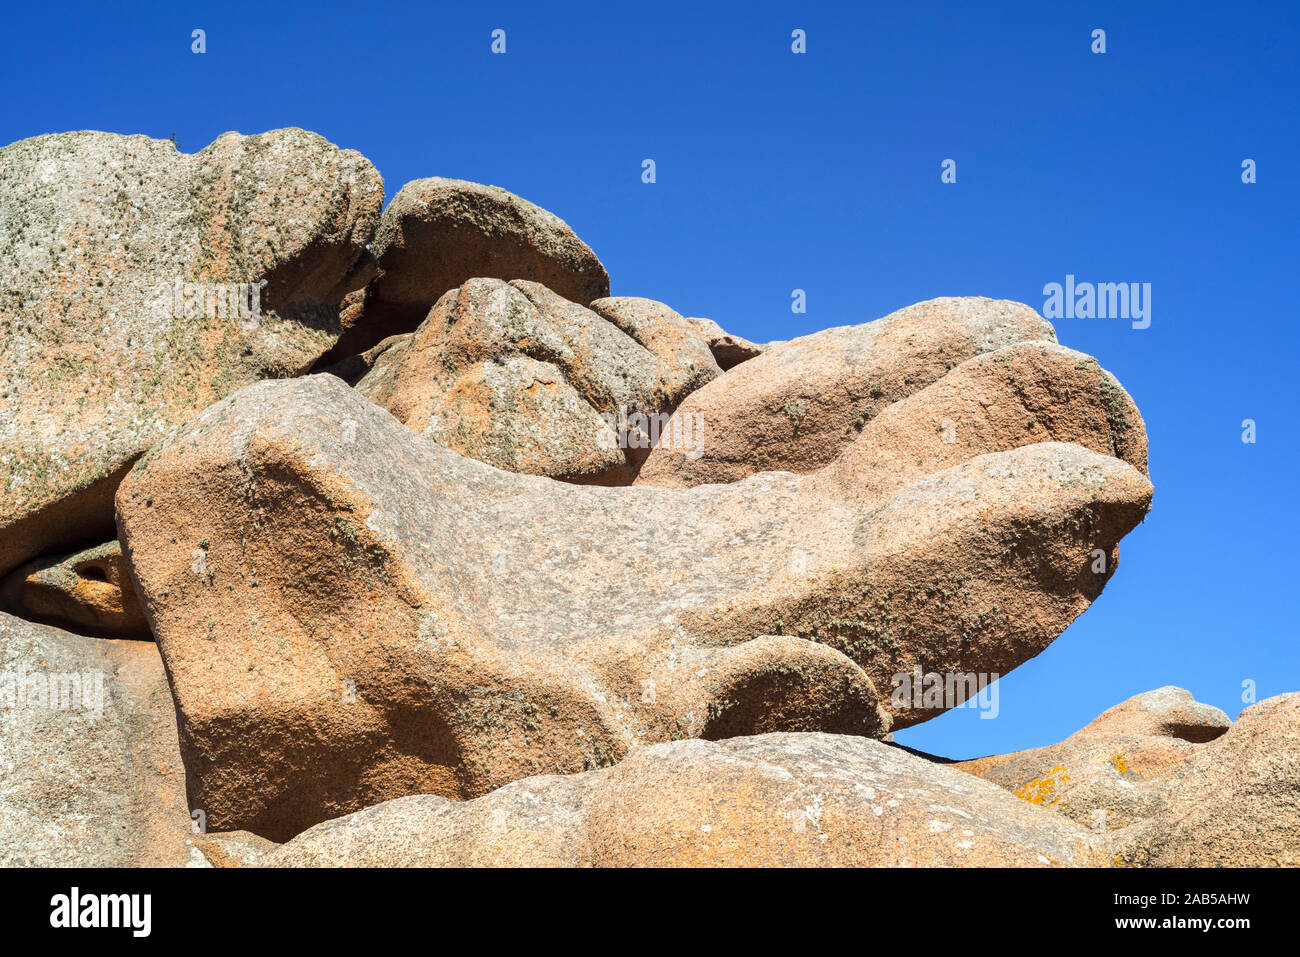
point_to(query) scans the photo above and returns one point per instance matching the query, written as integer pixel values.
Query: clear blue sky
(821, 171)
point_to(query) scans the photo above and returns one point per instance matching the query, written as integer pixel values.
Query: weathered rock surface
(1012, 398)
(728, 350)
(438, 233)
(1018, 395)
(100, 235)
(799, 404)
(351, 613)
(475, 667)
(1172, 782)
(89, 592)
(1108, 774)
(90, 770)
(228, 849)
(355, 368)
(776, 800)
(518, 377)
(1167, 712)
(1235, 802)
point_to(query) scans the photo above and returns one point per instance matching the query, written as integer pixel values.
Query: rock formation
(518, 377)
(295, 542)
(776, 800)
(535, 575)
(140, 286)
(1235, 802)
(438, 233)
(1107, 775)
(728, 350)
(799, 404)
(88, 591)
(90, 773)
(1170, 782)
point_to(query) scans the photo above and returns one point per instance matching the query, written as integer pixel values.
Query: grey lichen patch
(599, 754)
(358, 554)
(1116, 403)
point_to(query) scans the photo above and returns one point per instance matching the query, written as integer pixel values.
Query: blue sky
(821, 172)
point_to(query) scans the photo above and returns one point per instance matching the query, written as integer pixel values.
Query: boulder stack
(333, 537)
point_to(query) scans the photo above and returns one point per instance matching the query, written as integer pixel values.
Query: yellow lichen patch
(1118, 763)
(1043, 791)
